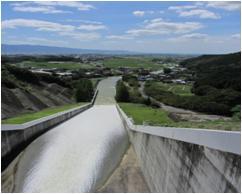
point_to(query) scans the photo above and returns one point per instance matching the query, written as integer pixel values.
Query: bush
(131, 80)
(52, 79)
(167, 70)
(23, 74)
(84, 91)
(236, 112)
(197, 103)
(147, 101)
(122, 93)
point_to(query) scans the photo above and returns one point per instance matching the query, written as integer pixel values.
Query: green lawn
(144, 114)
(157, 117)
(43, 113)
(65, 65)
(182, 90)
(131, 62)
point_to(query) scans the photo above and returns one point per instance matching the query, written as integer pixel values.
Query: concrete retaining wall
(16, 137)
(172, 160)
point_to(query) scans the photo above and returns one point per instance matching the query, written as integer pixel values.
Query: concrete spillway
(76, 156)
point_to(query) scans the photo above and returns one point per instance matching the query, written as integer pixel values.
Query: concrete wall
(172, 163)
(16, 137)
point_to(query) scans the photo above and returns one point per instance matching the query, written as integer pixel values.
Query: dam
(83, 154)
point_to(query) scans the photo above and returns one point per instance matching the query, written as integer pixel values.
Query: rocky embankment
(33, 98)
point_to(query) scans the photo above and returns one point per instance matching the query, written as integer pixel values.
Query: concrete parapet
(186, 160)
(16, 137)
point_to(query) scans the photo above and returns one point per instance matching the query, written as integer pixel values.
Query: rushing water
(78, 155)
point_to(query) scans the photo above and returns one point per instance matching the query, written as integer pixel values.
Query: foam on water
(76, 156)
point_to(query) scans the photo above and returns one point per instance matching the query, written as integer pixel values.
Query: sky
(152, 27)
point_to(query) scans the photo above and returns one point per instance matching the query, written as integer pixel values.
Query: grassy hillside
(43, 113)
(182, 90)
(142, 114)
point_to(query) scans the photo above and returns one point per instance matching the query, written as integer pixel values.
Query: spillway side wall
(170, 164)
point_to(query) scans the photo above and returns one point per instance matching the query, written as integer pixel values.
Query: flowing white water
(76, 156)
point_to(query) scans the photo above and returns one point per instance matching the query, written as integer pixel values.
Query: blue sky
(158, 27)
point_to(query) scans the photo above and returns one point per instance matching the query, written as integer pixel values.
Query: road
(183, 113)
(77, 155)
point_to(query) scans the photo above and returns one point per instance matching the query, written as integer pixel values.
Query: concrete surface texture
(76, 156)
(18, 100)
(174, 166)
(16, 137)
(127, 178)
(106, 91)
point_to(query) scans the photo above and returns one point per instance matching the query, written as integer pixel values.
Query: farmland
(132, 62)
(60, 65)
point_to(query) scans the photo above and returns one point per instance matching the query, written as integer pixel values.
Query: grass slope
(43, 113)
(143, 114)
(182, 90)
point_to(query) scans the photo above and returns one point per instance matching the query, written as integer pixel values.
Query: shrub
(167, 70)
(122, 93)
(52, 79)
(84, 91)
(204, 104)
(236, 112)
(23, 74)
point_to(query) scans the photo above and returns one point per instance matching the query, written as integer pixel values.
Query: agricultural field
(60, 65)
(37, 115)
(132, 62)
(182, 90)
(142, 114)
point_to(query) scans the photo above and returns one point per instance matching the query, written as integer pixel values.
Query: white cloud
(193, 36)
(42, 9)
(235, 36)
(201, 13)
(80, 36)
(183, 7)
(38, 24)
(119, 37)
(139, 13)
(226, 5)
(83, 21)
(158, 26)
(92, 27)
(193, 10)
(49, 7)
(73, 4)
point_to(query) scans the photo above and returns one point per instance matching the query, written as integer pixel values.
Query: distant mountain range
(40, 50)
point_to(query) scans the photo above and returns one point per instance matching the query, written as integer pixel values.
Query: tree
(236, 112)
(167, 70)
(84, 91)
(122, 93)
